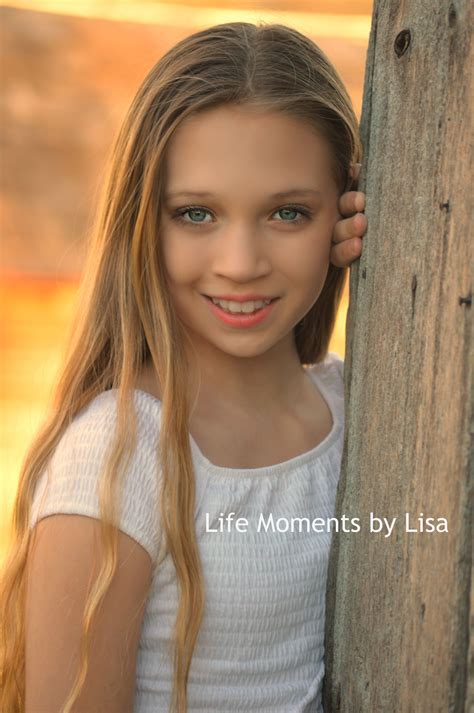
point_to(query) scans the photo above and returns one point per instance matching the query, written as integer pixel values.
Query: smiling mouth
(240, 319)
(266, 304)
(271, 300)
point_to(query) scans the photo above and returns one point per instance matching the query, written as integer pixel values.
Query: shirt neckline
(286, 465)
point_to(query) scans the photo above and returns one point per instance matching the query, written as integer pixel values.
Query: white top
(261, 642)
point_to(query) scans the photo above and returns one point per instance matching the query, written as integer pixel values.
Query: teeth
(238, 307)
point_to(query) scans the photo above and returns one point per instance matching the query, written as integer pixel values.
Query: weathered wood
(397, 634)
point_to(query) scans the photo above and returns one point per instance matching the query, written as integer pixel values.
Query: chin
(249, 350)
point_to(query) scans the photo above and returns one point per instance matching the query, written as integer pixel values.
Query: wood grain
(398, 607)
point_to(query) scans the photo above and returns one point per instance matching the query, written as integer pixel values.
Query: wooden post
(398, 606)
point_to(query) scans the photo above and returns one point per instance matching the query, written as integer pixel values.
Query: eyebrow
(282, 194)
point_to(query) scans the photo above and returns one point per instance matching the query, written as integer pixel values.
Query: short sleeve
(330, 372)
(70, 482)
(338, 363)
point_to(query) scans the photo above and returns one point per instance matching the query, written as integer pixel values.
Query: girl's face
(249, 208)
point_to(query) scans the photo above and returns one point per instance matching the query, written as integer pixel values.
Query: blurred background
(69, 71)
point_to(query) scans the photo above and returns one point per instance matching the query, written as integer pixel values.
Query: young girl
(170, 529)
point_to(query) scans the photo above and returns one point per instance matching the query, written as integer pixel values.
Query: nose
(241, 254)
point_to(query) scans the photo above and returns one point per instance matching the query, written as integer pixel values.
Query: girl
(168, 553)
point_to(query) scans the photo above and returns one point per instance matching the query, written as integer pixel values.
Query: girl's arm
(60, 565)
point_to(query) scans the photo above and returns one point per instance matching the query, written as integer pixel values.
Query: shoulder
(329, 374)
(335, 363)
(70, 481)
(331, 368)
(93, 428)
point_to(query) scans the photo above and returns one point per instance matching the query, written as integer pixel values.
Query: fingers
(346, 244)
(351, 202)
(356, 226)
(343, 254)
(354, 171)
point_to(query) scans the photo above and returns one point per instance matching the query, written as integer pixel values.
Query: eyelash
(299, 209)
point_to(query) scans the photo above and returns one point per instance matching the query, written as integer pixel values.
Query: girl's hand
(348, 232)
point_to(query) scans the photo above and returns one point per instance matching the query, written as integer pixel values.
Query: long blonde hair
(124, 316)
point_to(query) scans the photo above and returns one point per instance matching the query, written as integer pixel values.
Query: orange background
(68, 81)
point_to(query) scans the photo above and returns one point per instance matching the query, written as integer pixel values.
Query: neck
(265, 383)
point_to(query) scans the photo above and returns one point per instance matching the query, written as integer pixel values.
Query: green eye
(190, 210)
(292, 214)
(304, 213)
(288, 210)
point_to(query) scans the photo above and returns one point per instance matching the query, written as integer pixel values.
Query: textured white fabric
(261, 643)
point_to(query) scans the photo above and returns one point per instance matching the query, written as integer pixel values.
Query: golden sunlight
(32, 341)
(71, 71)
(333, 19)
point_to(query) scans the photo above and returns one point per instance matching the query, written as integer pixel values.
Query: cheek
(314, 272)
(319, 247)
(183, 259)
(310, 262)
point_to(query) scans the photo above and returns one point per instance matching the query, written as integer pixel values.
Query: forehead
(228, 144)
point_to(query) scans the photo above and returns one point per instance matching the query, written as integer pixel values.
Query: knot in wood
(452, 15)
(402, 42)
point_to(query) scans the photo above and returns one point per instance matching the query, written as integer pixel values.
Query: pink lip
(241, 298)
(241, 320)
